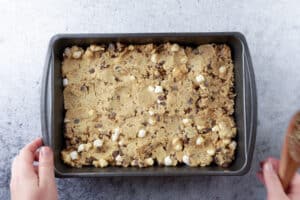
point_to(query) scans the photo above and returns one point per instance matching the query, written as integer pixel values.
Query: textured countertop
(271, 27)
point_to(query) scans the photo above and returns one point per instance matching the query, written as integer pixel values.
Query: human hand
(29, 182)
(268, 175)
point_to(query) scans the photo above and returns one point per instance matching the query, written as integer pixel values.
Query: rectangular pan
(52, 104)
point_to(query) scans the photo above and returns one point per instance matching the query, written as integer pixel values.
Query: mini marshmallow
(150, 88)
(185, 120)
(154, 58)
(80, 148)
(74, 155)
(174, 47)
(186, 159)
(65, 82)
(168, 161)
(66, 120)
(178, 147)
(232, 145)
(119, 158)
(222, 69)
(115, 135)
(199, 140)
(141, 133)
(151, 112)
(117, 131)
(121, 143)
(149, 161)
(67, 52)
(200, 78)
(215, 128)
(151, 121)
(158, 89)
(98, 143)
(76, 54)
(211, 152)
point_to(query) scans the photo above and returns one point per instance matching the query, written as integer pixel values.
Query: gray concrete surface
(272, 29)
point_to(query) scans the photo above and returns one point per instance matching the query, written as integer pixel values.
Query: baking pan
(52, 104)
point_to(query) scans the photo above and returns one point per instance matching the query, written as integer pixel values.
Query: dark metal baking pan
(52, 104)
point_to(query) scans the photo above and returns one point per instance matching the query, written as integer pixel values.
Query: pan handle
(44, 99)
(252, 120)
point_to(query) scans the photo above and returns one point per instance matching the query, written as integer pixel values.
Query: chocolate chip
(89, 160)
(144, 123)
(112, 115)
(102, 66)
(157, 66)
(76, 121)
(160, 48)
(115, 153)
(158, 118)
(213, 122)
(206, 84)
(206, 130)
(68, 143)
(113, 56)
(147, 74)
(226, 164)
(161, 97)
(139, 50)
(161, 63)
(162, 72)
(98, 126)
(216, 160)
(196, 87)
(174, 88)
(185, 140)
(118, 68)
(163, 103)
(92, 70)
(209, 66)
(188, 110)
(83, 88)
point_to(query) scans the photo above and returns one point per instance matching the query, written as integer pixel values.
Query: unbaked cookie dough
(145, 105)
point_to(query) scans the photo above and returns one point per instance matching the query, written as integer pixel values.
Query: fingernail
(268, 167)
(45, 152)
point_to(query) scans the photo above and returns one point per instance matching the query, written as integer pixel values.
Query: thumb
(46, 169)
(272, 182)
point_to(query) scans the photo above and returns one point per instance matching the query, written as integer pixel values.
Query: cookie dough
(151, 104)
